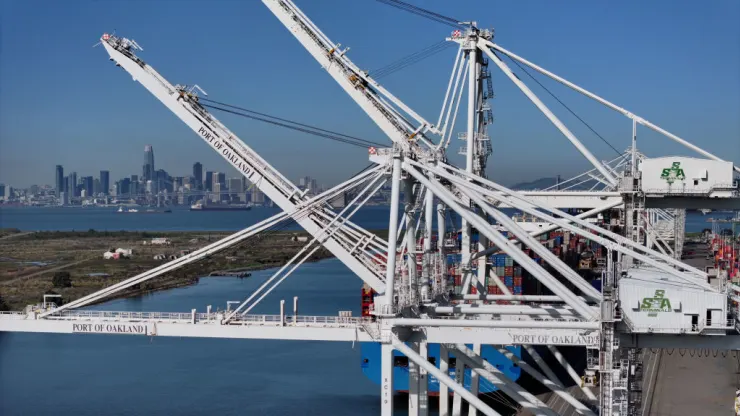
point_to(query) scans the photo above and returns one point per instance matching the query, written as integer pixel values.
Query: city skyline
(664, 87)
(73, 185)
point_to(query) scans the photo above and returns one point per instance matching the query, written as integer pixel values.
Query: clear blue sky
(676, 63)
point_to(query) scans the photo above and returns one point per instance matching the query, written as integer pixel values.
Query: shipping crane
(414, 309)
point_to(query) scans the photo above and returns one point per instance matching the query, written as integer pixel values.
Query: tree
(62, 279)
(3, 306)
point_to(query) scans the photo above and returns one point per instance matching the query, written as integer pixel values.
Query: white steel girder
(484, 228)
(453, 174)
(281, 191)
(527, 400)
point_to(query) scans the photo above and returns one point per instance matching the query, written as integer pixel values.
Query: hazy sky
(676, 63)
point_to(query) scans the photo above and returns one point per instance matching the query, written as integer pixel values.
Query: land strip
(30, 260)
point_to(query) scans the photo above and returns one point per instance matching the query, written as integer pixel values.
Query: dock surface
(689, 382)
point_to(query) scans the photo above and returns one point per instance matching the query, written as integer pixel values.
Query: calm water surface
(59, 374)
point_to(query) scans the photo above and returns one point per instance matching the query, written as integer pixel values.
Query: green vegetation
(62, 279)
(3, 306)
(71, 263)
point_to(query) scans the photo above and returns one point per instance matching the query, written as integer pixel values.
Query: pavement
(690, 382)
(678, 382)
(690, 386)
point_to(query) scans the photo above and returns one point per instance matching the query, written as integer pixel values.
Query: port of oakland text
(545, 339)
(133, 329)
(226, 152)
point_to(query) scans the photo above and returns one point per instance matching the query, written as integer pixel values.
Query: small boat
(126, 211)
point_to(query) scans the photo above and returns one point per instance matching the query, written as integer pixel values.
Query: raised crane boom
(349, 246)
(368, 94)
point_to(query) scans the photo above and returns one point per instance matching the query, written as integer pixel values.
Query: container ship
(580, 254)
(219, 207)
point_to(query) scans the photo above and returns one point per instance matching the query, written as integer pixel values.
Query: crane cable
(439, 18)
(274, 229)
(293, 125)
(564, 105)
(411, 59)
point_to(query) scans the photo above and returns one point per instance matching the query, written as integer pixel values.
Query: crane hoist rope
(293, 125)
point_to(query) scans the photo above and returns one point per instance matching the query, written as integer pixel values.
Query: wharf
(695, 382)
(677, 382)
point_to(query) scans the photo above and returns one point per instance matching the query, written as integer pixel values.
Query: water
(181, 219)
(63, 374)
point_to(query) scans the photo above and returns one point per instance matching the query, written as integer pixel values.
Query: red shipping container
(473, 290)
(517, 281)
(458, 280)
(509, 271)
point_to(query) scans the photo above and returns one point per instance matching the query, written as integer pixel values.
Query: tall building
(72, 184)
(163, 181)
(209, 181)
(59, 179)
(97, 187)
(87, 185)
(258, 197)
(135, 186)
(148, 170)
(198, 174)
(220, 177)
(217, 195)
(235, 189)
(2, 190)
(105, 182)
(124, 187)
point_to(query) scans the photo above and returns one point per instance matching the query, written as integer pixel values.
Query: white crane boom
(366, 92)
(184, 104)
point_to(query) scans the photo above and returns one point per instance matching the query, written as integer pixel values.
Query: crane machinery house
(688, 175)
(653, 301)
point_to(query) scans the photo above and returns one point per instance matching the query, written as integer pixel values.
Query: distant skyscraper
(217, 189)
(60, 179)
(135, 188)
(72, 184)
(87, 185)
(97, 187)
(198, 174)
(105, 182)
(209, 181)
(220, 177)
(257, 196)
(235, 188)
(148, 170)
(124, 187)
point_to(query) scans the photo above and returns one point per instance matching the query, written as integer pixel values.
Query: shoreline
(32, 260)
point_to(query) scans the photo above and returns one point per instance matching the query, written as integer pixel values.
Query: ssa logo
(658, 303)
(673, 173)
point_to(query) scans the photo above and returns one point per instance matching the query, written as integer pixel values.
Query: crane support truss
(415, 308)
(281, 191)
